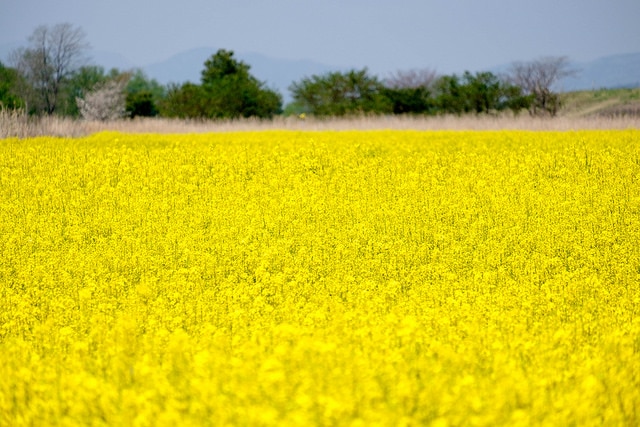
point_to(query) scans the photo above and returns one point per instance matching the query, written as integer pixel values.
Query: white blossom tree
(105, 102)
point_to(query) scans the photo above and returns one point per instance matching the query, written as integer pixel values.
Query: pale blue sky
(446, 35)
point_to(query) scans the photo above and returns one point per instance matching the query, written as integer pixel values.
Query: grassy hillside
(602, 102)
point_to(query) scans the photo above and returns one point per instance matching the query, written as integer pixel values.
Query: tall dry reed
(18, 124)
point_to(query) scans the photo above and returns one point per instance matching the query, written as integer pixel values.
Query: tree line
(51, 76)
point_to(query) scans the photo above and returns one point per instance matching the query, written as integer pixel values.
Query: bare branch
(537, 78)
(52, 56)
(411, 79)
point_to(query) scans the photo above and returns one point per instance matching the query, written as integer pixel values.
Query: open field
(321, 278)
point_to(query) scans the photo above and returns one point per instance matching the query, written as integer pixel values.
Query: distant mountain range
(609, 72)
(277, 74)
(614, 71)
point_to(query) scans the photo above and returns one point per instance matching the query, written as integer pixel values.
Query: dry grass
(15, 124)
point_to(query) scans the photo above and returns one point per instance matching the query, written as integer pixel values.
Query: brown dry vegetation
(14, 124)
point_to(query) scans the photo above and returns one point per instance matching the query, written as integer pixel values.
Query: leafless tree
(106, 102)
(537, 78)
(411, 79)
(52, 56)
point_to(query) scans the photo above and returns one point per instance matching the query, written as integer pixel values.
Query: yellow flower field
(352, 278)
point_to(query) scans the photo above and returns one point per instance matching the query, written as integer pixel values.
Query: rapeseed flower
(321, 278)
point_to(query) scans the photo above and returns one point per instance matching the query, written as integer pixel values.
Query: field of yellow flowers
(352, 278)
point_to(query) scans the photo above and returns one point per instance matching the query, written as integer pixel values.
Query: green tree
(410, 91)
(141, 104)
(143, 95)
(227, 91)
(339, 94)
(514, 98)
(230, 91)
(9, 82)
(450, 97)
(482, 92)
(184, 101)
(410, 100)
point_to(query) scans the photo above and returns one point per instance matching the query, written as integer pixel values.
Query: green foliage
(294, 109)
(410, 100)
(143, 95)
(139, 82)
(227, 91)
(515, 99)
(340, 94)
(479, 93)
(9, 79)
(482, 91)
(223, 66)
(184, 101)
(450, 95)
(141, 104)
(231, 91)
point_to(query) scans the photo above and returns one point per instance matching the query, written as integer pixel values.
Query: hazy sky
(385, 35)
